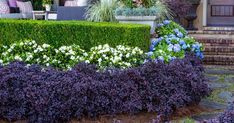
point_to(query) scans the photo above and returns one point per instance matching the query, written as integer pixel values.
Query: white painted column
(204, 19)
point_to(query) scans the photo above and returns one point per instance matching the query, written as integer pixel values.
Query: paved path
(221, 80)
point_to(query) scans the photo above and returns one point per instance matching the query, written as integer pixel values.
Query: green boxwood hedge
(86, 34)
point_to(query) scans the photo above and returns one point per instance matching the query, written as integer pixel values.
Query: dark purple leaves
(45, 96)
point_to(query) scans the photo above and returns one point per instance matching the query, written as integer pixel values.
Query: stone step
(219, 60)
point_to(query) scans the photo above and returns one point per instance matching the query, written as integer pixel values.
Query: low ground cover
(49, 95)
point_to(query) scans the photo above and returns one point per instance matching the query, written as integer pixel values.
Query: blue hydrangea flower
(166, 22)
(180, 34)
(173, 58)
(151, 48)
(168, 40)
(176, 30)
(200, 55)
(170, 47)
(154, 41)
(160, 39)
(177, 48)
(161, 58)
(146, 60)
(150, 53)
(184, 46)
(182, 42)
(160, 25)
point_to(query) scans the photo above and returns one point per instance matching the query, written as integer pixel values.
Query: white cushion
(82, 2)
(71, 3)
(4, 8)
(25, 7)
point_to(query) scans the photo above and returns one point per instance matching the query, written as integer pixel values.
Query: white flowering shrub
(31, 53)
(119, 57)
(65, 57)
(68, 56)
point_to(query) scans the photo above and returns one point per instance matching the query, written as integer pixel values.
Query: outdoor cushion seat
(17, 15)
(71, 13)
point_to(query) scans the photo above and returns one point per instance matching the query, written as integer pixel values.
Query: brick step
(218, 53)
(226, 44)
(223, 49)
(218, 63)
(215, 41)
(219, 60)
(212, 32)
(218, 28)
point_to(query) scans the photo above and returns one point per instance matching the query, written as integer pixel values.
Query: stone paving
(221, 80)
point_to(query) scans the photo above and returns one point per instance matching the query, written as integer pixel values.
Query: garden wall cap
(137, 18)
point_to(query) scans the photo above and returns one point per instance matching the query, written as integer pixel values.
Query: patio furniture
(39, 14)
(51, 15)
(71, 13)
(16, 13)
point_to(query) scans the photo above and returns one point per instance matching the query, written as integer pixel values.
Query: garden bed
(45, 83)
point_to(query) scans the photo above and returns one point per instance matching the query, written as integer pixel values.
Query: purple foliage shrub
(48, 95)
(226, 117)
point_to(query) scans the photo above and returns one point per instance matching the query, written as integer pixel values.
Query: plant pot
(148, 20)
(82, 2)
(47, 7)
(191, 16)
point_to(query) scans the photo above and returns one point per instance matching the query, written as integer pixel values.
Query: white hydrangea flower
(45, 45)
(18, 58)
(72, 58)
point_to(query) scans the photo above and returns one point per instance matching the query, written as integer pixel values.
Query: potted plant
(140, 11)
(192, 14)
(47, 4)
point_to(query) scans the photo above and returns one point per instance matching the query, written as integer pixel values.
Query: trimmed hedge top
(86, 34)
